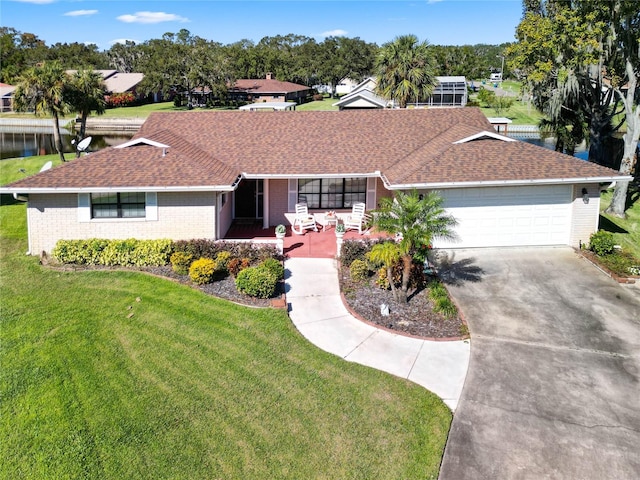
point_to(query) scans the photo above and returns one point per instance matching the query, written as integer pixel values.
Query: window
(332, 192)
(118, 205)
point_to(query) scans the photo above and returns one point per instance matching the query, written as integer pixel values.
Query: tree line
(183, 60)
(580, 60)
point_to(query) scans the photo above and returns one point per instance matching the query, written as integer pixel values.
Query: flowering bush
(123, 99)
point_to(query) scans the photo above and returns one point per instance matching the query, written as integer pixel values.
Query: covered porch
(320, 244)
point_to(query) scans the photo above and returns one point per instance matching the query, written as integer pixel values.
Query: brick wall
(181, 216)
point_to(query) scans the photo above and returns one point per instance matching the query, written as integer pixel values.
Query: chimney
(269, 76)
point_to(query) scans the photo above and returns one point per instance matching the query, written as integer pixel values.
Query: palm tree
(405, 70)
(41, 90)
(85, 93)
(417, 220)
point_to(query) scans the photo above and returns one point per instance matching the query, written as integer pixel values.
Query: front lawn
(125, 375)
(626, 231)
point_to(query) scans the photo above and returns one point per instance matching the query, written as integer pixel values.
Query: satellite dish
(46, 166)
(83, 144)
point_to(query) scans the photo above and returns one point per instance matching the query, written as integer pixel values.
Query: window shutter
(371, 193)
(84, 207)
(151, 206)
(293, 194)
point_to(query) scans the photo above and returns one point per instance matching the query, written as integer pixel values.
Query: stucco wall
(181, 216)
(585, 215)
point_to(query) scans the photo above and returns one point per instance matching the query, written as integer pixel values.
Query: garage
(510, 216)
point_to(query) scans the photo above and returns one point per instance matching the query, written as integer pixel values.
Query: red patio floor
(309, 245)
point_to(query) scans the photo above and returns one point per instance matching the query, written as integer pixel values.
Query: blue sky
(103, 22)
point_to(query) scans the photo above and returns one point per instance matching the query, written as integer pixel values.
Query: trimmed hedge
(203, 271)
(257, 282)
(130, 252)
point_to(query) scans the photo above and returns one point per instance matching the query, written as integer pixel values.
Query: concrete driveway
(553, 389)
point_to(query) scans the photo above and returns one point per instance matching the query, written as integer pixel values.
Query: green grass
(322, 105)
(95, 384)
(626, 231)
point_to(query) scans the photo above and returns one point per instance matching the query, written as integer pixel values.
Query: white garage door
(510, 216)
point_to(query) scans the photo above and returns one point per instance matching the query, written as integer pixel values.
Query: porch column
(265, 203)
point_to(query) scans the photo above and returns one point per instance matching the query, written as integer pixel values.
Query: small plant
(236, 265)
(274, 266)
(281, 230)
(359, 270)
(222, 261)
(202, 271)
(441, 302)
(256, 282)
(340, 228)
(602, 243)
(180, 262)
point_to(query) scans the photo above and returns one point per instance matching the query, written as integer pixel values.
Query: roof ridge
(439, 137)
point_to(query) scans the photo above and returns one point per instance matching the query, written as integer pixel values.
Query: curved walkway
(317, 311)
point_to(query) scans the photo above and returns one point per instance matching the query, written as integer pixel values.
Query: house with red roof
(269, 90)
(192, 174)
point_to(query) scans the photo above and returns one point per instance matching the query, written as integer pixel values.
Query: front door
(248, 199)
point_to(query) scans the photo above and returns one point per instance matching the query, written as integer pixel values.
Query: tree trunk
(394, 290)
(406, 276)
(632, 116)
(56, 136)
(83, 130)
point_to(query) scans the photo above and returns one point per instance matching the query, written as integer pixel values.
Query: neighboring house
(269, 90)
(449, 92)
(190, 175)
(118, 82)
(346, 85)
(6, 97)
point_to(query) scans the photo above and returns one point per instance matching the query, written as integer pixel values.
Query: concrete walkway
(317, 311)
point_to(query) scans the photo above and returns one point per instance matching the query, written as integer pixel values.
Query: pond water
(550, 142)
(29, 141)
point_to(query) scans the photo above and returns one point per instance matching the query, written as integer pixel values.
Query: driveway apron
(553, 387)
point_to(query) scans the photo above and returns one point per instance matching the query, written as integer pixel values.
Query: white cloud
(152, 17)
(37, 2)
(80, 13)
(334, 33)
(433, 1)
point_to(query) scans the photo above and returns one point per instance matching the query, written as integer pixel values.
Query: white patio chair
(357, 219)
(303, 220)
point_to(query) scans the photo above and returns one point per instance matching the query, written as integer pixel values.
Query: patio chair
(303, 220)
(357, 219)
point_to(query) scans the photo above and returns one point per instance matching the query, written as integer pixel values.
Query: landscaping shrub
(257, 282)
(203, 271)
(152, 253)
(355, 250)
(222, 261)
(274, 266)
(359, 270)
(79, 252)
(601, 243)
(416, 280)
(620, 263)
(205, 248)
(446, 307)
(180, 262)
(236, 265)
(441, 301)
(119, 253)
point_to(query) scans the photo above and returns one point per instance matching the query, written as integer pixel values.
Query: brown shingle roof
(409, 147)
(267, 85)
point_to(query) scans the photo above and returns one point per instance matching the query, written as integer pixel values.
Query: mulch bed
(415, 318)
